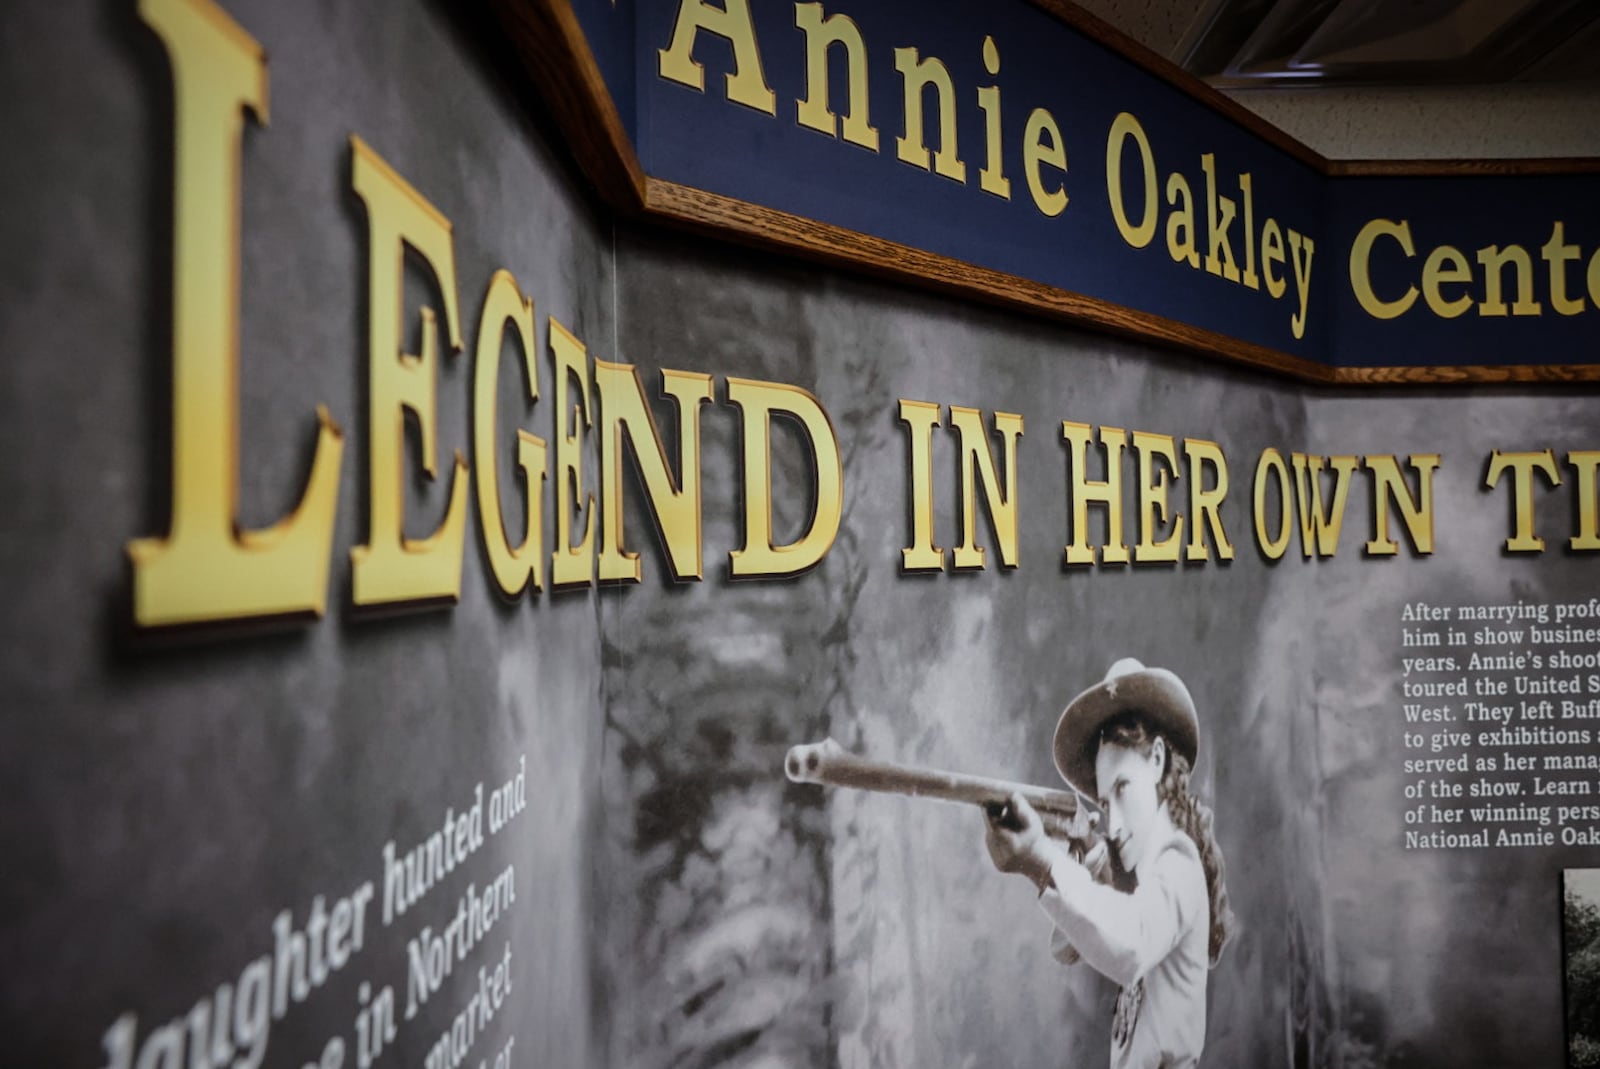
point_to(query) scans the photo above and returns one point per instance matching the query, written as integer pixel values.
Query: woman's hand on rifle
(1017, 842)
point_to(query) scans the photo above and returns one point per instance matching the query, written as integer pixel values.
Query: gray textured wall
(678, 902)
(751, 920)
(773, 924)
(1447, 957)
(163, 803)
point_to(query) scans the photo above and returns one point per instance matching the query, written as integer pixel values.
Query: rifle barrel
(830, 764)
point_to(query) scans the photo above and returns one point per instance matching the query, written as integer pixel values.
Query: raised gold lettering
(514, 568)
(675, 504)
(761, 556)
(1445, 264)
(1084, 491)
(1205, 501)
(814, 112)
(1270, 471)
(920, 418)
(912, 146)
(571, 565)
(1000, 494)
(391, 568)
(206, 569)
(1154, 481)
(1124, 128)
(1361, 272)
(1041, 144)
(992, 178)
(746, 83)
(1389, 484)
(1319, 530)
(1522, 466)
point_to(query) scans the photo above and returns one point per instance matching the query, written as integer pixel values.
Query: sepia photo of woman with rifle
(1130, 742)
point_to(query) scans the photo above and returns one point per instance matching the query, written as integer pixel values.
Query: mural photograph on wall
(1580, 943)
(459, 620)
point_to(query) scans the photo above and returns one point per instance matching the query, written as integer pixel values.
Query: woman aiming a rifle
(1130, 742)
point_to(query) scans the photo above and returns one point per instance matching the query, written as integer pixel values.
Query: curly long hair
(1132, 730)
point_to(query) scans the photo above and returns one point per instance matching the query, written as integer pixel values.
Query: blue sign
(1488, 270)
(1001, 137)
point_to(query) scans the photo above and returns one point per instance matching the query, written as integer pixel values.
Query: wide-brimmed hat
(1128, 687)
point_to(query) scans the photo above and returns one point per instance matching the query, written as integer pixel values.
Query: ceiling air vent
(1245, 43)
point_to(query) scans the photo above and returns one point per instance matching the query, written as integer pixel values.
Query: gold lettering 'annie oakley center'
(207, 568)
(1448, 279)
(1271, 256)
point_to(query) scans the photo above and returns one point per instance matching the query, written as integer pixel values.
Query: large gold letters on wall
(206, 568)
(392, 568)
